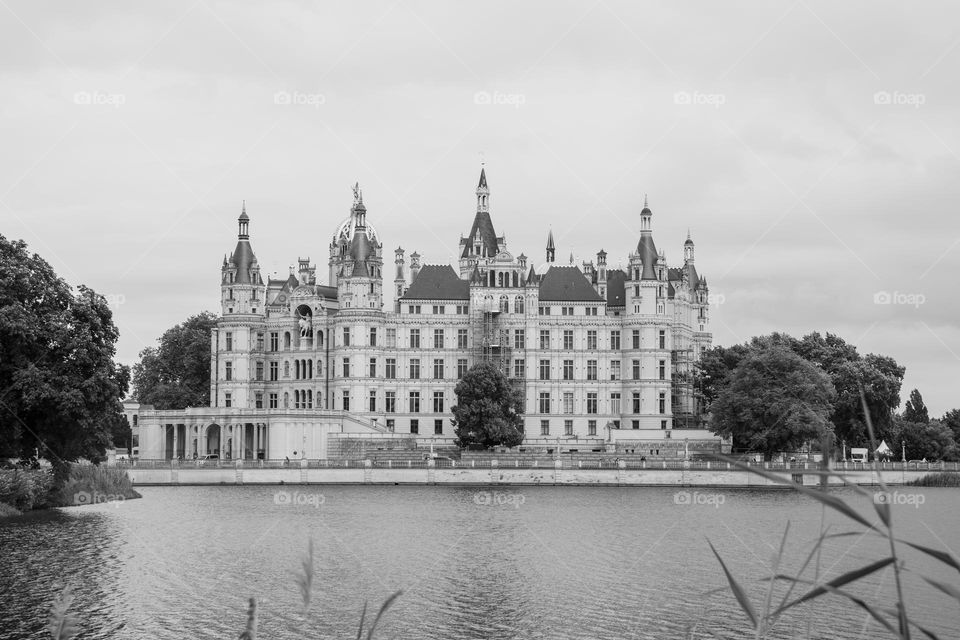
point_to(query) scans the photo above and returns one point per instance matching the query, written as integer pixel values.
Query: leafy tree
(930, 440)
(487, 412)
(59, 385)
(121, 435)
(952, 420)
(915, 410)
(176, 374)
(775, 401)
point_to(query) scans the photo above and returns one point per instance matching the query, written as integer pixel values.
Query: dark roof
(616, 288)
(648, 256)
(438, 282)
(327, 292)
(242, 259)
(567, 284)
(360, 251)
(484, 224)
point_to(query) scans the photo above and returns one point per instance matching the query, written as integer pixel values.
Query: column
(175, 434)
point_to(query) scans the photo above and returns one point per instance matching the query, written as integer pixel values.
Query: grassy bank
(28, 489)
(945, 479)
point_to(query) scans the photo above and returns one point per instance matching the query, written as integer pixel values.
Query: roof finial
(244, 206)
(645, 204)
(357, 195)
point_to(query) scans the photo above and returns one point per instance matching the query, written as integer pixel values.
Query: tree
(915, 410)
(775, 401)
(488, 408)
(930, 440)
(176, 374)
(59, 385)
(952, 420)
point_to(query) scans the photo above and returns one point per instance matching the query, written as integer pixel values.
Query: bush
(88, 483)
(26, 489)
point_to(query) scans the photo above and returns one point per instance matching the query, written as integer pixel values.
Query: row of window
(544, 402)
(439, 339)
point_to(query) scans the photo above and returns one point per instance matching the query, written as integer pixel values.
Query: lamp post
(903, 450)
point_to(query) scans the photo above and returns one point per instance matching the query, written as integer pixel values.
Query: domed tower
(688, 250)
(356, 260)
(241, 287)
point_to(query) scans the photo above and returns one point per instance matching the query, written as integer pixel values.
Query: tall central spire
(483, 192)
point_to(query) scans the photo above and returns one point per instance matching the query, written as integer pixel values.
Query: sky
(811, 149)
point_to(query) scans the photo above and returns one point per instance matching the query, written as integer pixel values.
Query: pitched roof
(484, 224)
(616, 288)
(438, 282)
(242, 259)
(567, 284)
(648, 256)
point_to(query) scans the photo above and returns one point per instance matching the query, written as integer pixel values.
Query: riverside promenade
(673, 473)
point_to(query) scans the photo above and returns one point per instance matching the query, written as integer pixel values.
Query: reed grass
(942, 479)
(88, 483)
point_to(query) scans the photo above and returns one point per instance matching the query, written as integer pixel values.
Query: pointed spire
(571, 257)
(483, 177)
(551, 251)
(646, 205)
(483, 192)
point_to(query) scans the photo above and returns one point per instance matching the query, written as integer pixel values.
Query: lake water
(544, 562)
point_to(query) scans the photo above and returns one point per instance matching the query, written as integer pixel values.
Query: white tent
(883, 449)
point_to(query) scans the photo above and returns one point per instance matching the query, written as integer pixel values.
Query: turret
(551, 249)
(414, 265)
(400, 277)
(240, 283)
(356, 259)
(688, 250)
(483, 193)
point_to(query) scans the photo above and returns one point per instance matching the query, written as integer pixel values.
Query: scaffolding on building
(684, 403)
(491, 344)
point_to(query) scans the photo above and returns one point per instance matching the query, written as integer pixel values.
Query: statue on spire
(357, 195)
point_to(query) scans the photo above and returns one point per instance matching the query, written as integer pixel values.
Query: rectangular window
(636, 369)
(438, 338)
(544, 369)
(461, 338)
(373, 367)
(520, 368)
(636, 402)
(438, 401)
(568, 427)
(414, 426)
(663, 339)
(258, 400)
(591, 427)
(346, 367)
(391, 423)
(390, 401)
(663, 424)
(636, 338)
(373, 399)
(663, 402)
(346, 400)
(544, 339)
(461, 367)
(414, 402)
(414, 338)
(544, 402)
(543, 311)
(591, 402)
(346, 336)
(274, 371)
(544, 427)
(568, 369)
(274, 341)
(390, 369)
(568, 402)
(438, 424)
(615, 340)
(592, 339)
(259, 373)
(229, 338)
(614, 369)
(568, 340)
(635, 424)
(273, 401)
(228, 370)
(260, 341)
(662, 369)
(228, 400)
(373, 336)
(519, 339)
(391, 337)
(591, 369)
(415, 368)
(615, 403)
(438, 369)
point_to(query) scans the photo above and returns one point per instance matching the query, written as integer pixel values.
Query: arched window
(499, 278)
(286, 400)
(286, 340)
(492, 279)
(286, 369)
(320, 338)
(319, 368)
(504, 304)
(515, 279)
(518, 304)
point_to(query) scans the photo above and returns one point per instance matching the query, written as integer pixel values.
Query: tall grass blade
(948, 589)
(305, 577)
(363, 616)
(943, 556)
(738, 591)
(63, 623)
(250, 633)
(850, 576)
(383, 609)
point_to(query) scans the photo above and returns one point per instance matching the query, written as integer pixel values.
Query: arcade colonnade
(230, 441)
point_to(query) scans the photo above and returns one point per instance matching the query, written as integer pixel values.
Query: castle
(603, 356)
